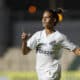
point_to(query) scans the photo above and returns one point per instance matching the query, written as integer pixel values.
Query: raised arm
(25, 49)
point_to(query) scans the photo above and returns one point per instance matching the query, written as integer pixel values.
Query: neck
(49, 31)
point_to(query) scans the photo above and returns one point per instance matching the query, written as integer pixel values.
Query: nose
(43, 19)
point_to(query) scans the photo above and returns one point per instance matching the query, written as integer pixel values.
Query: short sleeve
(67, 44)
(32, 42)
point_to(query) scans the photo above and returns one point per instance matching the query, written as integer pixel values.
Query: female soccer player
(48, 43)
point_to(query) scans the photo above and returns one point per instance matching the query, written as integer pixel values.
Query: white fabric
(46, 45)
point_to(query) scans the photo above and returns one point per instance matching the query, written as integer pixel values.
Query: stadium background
(17, 16)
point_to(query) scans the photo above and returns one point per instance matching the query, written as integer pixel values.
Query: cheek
(52, 22)
(48, 20)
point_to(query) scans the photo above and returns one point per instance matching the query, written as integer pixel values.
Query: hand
(77, 51)
(24, 36)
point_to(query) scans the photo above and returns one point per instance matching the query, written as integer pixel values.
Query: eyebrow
(48, 16)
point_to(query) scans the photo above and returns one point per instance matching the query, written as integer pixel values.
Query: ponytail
(59, 12)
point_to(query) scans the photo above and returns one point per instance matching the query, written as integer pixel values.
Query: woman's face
(47, 20)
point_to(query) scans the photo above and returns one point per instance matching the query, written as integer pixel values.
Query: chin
(44, 25)
(48, 27)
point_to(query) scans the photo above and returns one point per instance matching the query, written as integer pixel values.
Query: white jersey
(48, 47)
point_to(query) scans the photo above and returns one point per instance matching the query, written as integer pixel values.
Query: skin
(25, 49)
(48, 24)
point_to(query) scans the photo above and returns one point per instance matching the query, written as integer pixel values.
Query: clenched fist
(24, 36)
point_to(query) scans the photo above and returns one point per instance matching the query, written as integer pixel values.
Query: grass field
(32, 75)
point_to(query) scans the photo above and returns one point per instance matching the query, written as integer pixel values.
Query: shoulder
(37, 34)
(61, 35)
(58, 33)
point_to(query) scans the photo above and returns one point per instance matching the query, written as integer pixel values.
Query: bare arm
(69, 45)
(25, 49)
